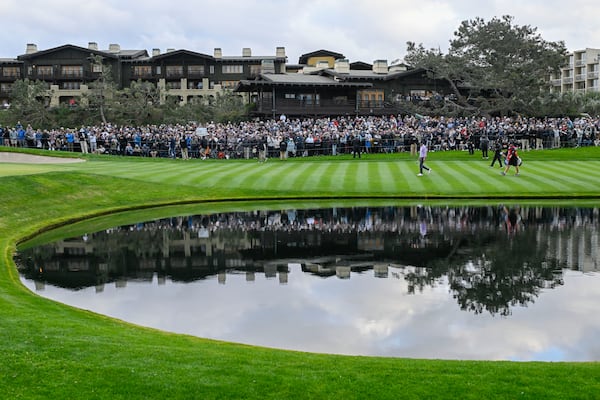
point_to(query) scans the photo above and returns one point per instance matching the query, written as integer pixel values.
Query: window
(195, 70)
(228, 84)
(142, 70)
(255, 70)
(44, 71)
(233, 69)
(11, 72)
(174, 71)
(290, 95)
(97, 68)
(212, 69)
(72, 71)
(70, 85)
(174, 85)
(158, 70)
(5, 87)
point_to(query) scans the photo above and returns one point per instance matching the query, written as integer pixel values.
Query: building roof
(276, 80)
(251, 58)
(181, 52)
(66, 46)
(370, 75)
(319, 53)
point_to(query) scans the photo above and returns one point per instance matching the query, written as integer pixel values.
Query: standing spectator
(484, 142)
(93, 141)
(83, 141)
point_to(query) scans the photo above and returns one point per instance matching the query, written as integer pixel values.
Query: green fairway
(53, 351)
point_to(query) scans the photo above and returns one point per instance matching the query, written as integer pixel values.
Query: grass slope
(53, 351)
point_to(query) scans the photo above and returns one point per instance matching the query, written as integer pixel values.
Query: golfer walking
(422, 158)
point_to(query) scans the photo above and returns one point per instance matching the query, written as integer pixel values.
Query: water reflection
(489, 259)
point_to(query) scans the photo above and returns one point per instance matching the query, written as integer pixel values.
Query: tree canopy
(493, 67)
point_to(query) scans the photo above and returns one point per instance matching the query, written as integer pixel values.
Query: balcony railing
(567, 80)
(141, 75)
(579, 63)
(593, 75)
(580, 77)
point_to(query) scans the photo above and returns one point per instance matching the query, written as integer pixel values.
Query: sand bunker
(33, 159)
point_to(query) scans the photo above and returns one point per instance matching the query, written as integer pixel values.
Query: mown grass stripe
(550, 177)
(409, 171)
(447, 178)
(387, 178)
(295, 179)
(215, 177)
(475, 175)
(314, 176)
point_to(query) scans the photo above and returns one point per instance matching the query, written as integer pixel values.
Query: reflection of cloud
(362, 315)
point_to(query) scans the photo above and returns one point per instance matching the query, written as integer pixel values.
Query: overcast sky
(360, 30)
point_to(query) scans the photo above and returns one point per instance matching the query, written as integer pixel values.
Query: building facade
(322, 83)
(68, 71)
(581, 74)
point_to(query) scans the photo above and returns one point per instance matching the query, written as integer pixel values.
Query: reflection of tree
(501, 274)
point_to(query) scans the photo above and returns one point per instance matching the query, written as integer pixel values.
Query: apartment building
(581, 74)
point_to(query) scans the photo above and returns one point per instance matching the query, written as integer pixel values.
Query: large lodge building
(322, 83)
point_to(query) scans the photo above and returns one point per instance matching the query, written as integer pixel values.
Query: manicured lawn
(53, 351)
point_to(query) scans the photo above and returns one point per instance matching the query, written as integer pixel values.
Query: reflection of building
(324, 242)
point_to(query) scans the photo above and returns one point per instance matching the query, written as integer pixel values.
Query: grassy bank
(53, 351)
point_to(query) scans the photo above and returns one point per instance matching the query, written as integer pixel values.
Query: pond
(495, 282)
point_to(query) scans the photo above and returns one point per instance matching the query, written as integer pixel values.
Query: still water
(495, 282)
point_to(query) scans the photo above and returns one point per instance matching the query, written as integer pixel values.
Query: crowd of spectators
(286, 137)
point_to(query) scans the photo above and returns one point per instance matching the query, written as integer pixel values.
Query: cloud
(360, 30)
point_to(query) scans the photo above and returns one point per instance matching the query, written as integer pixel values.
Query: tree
(28, 102)
(103, 90)
(139, 103)
(493, 67)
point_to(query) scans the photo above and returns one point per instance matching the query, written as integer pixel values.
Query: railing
(592, 75)
(579, 63)
(580, 77)
(567, 80)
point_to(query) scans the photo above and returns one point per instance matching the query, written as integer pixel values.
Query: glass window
(11, 72)
(228, 84)
(174, 70)
(71, 85)
(72, 71)
(255, 70)
(44, 71)
(196, 70)
(142, 70)
(233, 69)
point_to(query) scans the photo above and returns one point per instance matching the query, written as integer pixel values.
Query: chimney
(114, 48)
(246, 52)
(93, 46)
(380, 67)
(155, 52)
(342, 66)
(170, 50)
(31, 48)
(280, 52)
(218, 52)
